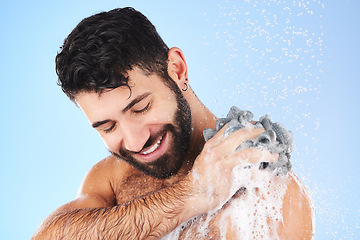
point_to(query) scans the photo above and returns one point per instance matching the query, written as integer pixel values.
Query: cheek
(165, 112)
(164, 116)
(110, 143)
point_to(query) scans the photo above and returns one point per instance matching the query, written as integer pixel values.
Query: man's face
(150, 129)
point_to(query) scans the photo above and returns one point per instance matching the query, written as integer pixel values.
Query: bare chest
(137, 185)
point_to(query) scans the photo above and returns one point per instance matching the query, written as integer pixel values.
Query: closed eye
(105, 125)
(143, 110)
(107, 130)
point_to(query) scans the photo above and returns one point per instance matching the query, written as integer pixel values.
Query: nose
(133, 136)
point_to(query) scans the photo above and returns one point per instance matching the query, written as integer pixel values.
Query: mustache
(151, 141)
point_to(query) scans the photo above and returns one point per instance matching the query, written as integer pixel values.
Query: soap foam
(255, 212)
(258, 211)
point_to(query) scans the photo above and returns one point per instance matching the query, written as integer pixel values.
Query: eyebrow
(127, 108)
(99, 123)
(135, 101)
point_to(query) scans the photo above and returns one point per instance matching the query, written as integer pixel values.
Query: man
(135, 92)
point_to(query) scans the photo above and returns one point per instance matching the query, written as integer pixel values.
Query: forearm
(150, 217)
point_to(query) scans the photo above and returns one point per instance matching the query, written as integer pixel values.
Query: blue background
(295, 60)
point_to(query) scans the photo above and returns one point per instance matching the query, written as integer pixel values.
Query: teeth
(153, 148)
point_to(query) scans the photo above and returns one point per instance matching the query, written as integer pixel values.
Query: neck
(202, 118)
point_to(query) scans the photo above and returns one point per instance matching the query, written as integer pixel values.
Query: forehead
(98, 106)
(136, 79)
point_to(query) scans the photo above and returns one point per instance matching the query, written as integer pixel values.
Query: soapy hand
(237, 142)
(212, 173)
(275, 139)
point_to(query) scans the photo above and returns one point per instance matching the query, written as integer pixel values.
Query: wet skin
(145, 121)
(138, 124)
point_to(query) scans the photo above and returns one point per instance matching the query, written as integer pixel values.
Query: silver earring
(186, 85)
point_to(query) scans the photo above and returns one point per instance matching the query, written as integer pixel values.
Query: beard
(179, 132)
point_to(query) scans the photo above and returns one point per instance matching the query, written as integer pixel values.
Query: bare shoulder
(103, 172)
(96, 189)
(281, 208)
(298, 211)
(99, 181)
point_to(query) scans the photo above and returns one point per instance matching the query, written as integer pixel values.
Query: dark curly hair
(102, 48)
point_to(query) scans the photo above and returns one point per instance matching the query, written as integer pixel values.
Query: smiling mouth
(153, 148)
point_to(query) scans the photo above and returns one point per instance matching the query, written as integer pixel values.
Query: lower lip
(155, 154)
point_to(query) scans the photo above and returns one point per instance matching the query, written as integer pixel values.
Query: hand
(212, 173)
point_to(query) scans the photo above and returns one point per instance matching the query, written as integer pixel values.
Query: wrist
(194, 203)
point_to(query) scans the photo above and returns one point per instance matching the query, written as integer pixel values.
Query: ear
(177, 68)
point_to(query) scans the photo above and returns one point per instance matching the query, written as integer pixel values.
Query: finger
(256, 155)
(233, 141)
(246, 157)
(219, 135)
(225, 148)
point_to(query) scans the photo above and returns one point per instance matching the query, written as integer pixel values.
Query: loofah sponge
(276, 138)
